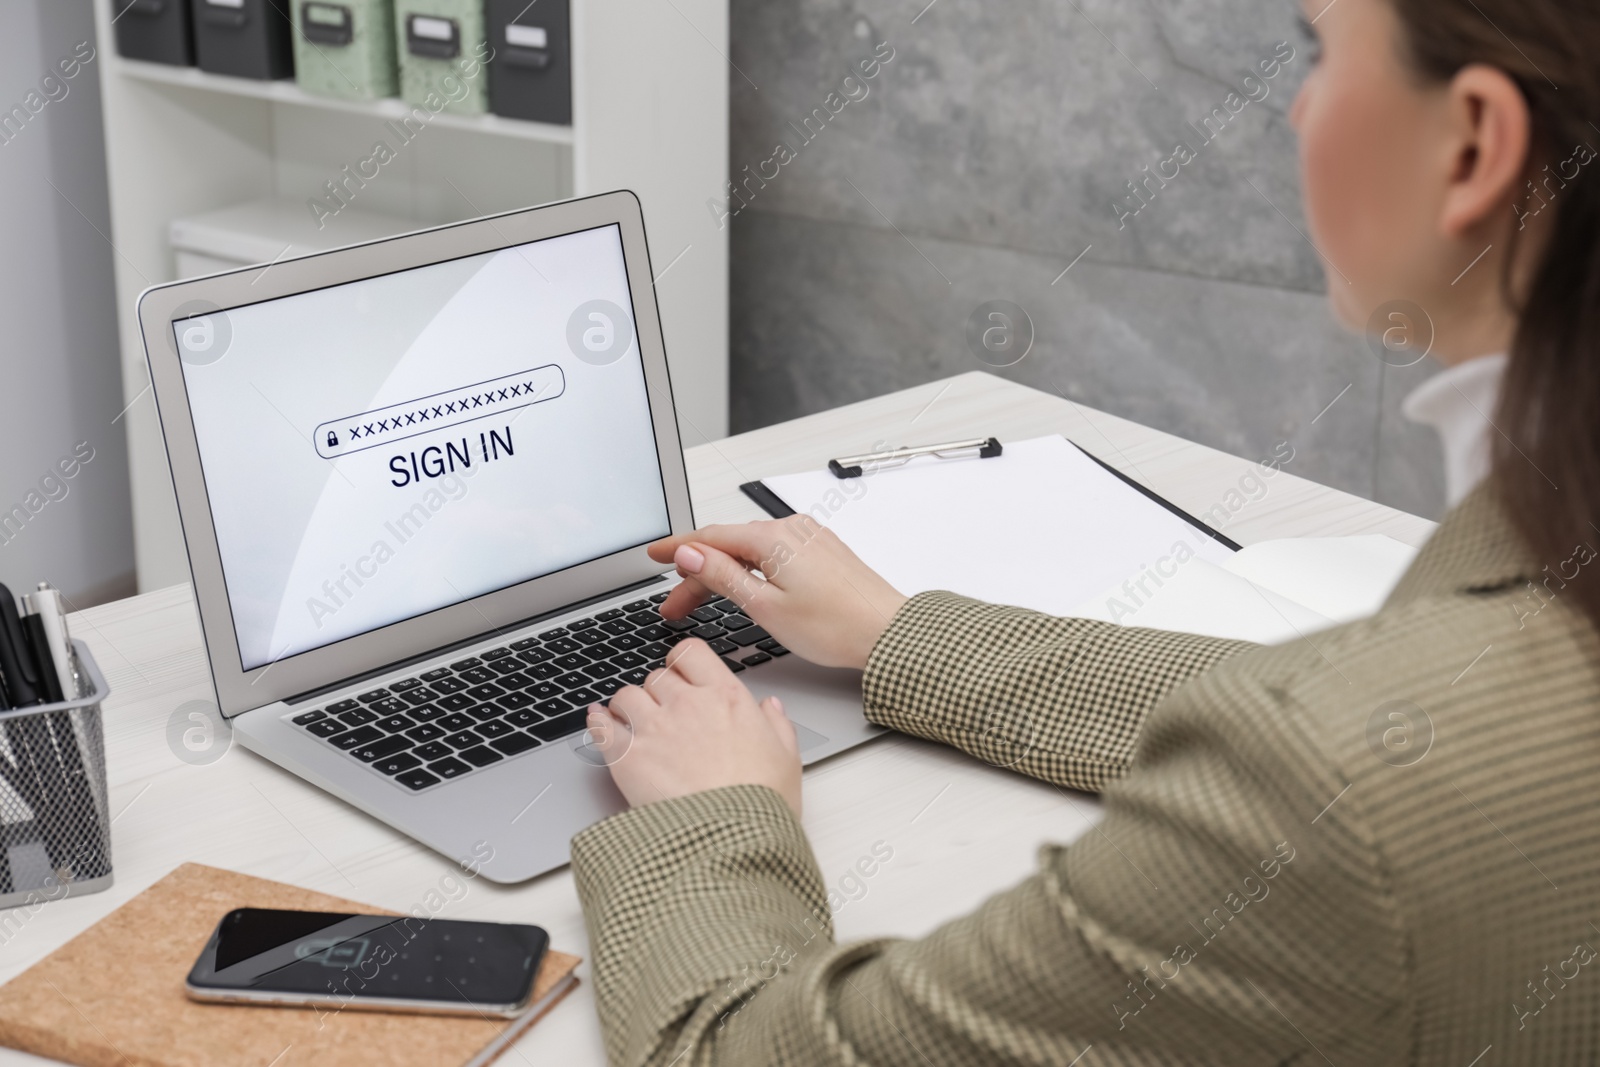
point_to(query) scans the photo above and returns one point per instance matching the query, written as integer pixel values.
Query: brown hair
(1547, 454)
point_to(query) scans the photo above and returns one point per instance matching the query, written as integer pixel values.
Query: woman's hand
(813, 594)
(693, 726)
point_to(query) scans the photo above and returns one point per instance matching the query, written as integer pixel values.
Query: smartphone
(369, 962)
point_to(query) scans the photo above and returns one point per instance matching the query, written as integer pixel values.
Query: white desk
(959, 830)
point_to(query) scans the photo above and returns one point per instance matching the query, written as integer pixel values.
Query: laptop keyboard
(448, 722)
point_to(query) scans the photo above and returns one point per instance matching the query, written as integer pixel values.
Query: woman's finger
(630, 703)
(719, 572)
(663, 685)
(772, 708)
(608, 733)
(694, 660)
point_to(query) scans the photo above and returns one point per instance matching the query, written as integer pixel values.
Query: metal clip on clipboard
(856, 466)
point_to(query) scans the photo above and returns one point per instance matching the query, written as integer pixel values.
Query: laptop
(416, 479)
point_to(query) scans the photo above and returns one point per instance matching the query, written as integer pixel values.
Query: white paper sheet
(1042, 526)
(1045, 527)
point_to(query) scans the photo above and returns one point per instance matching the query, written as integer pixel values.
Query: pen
(855, 466)
(46, 603)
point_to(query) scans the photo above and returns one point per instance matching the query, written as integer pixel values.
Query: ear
(1490, 131)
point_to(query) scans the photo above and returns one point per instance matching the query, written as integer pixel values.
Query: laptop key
(560, 726)
(722, 646)
(515, 701)
(551, 635)
(593, 637)
(342, 705)
(405, 683)
(416, 697)
(581, 624)
(464, 739)
(525, 717)
(705, 613)
(494, 729)
(735, 622)
(755, 659)
(417, 779)
(544, 691)
(476, 675)
(601, 670)
(379, 749)
(645, 618)
(582, 698)
(456, 702)
(359, 717)
(572, 662)
(432, 750)
(654, 650)
(552, 707)
(562, 645)
(395, 764)
(680, 625)
(485, 712)
(506, 667)
(514, 743)
(733, 665)
(544, 672)
(570, 680)
(435, 674)
(525, 644)
(325, 728)
(606, 686)
(635, 676)
(307, 718)
(771, 647)
(388, 706)
(374, 696)
(452, 723)
(466, 664)
(496, 653)
(659, 597)
(626, 642)
(395, 724)
(449, 684)
(426, 732)
(485, 692)
(629, 659)
(750, 636)
(609, 614)
(515, 680)
(481, 756)
(636, 605)
(449, 767)
(708, 631)
(426, 713)
(655, 632)
(720, 602)
(361, 735)
(618, 626)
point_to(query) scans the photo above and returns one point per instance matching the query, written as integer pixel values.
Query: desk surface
(936, 809)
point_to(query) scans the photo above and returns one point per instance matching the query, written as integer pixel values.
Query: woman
(1316, 903)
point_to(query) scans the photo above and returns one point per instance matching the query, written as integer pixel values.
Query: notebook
(114, 995)
(1046, 526)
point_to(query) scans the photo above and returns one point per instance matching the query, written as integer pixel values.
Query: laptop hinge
(356, 679)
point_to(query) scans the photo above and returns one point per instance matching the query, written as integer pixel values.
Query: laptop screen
(383, 448)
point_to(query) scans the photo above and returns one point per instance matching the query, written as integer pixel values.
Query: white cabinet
(650, 113)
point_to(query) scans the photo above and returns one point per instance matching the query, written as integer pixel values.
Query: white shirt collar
(1459, 404)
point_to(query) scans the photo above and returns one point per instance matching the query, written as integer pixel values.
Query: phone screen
(370, 957)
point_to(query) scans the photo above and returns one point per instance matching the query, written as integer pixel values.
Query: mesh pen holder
(55, 826)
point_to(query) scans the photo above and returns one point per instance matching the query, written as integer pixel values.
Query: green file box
(443, 54)
(345, 48)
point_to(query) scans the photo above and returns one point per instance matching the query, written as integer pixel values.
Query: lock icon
(333, 439)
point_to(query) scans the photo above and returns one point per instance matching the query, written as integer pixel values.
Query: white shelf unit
(650, 113)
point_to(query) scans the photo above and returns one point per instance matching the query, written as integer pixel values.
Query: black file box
(157, 31)
(244, 38)
(531, 76)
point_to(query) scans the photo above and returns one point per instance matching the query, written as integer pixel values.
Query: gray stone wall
(1123, 171)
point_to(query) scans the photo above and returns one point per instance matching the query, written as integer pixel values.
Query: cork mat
(114, 995)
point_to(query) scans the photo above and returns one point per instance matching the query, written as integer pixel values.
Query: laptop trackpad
(808, 738)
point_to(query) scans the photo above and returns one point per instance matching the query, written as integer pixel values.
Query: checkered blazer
(1374, 846)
